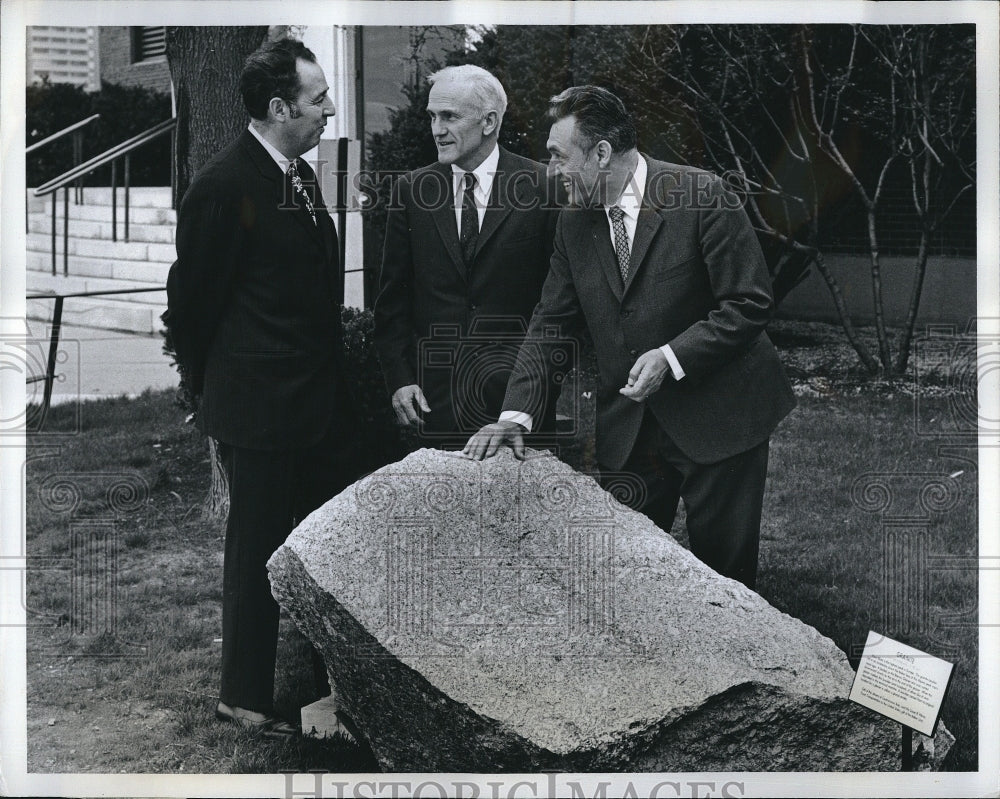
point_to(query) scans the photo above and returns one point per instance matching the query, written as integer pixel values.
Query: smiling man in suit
(660, 263)
(467, 248)
(254, 316)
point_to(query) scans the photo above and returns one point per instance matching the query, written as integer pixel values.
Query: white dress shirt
(630, 201)
(272, 151)
(484, 173)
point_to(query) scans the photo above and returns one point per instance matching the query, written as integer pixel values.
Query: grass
(827, 559)
(132, 688)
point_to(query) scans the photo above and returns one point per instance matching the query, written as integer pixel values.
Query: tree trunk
(885, 353)
(903, 355)
(845, 320)
(217, 503)
(205, 65)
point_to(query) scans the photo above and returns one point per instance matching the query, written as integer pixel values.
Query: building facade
(135, 56)
(63, 55)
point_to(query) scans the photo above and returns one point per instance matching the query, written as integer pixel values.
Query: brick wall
(117, 67)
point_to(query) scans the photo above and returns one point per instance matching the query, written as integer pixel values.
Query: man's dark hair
(270, 72)
(599, 115)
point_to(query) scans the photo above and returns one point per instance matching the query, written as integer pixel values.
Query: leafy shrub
(125, 112)
(380, 439)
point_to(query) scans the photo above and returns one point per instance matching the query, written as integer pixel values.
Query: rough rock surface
(513, 616)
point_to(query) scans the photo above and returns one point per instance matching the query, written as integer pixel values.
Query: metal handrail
(57, 312)
(49, 139)
(52, 295)
(77, 130)
(109, 156)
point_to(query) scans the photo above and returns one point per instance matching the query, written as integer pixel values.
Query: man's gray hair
(486, 92)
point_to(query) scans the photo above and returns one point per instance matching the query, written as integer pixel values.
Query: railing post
(77, 160)
(128, 158)
(65, 231)
(342, 207)
(55, 200)
(50, 373)
(114, 200)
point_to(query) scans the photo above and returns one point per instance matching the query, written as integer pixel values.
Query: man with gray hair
(467, 248)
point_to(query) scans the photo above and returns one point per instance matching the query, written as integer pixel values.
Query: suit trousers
(269, 493)
(723, 500)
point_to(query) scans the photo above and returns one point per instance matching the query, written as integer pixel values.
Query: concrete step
(100, 248)
(89, 229)
(104, 313)
(139, 196)
(84, 266)
(138, 215)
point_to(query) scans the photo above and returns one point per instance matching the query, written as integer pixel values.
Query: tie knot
(293, 168)
(616, 213)
(470, 180)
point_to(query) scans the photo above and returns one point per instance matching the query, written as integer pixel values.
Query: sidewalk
(93, 364)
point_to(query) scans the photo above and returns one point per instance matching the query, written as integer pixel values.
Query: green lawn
(139, 698)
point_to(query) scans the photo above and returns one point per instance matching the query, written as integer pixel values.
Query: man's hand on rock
(646, 376)
(490, 438)
(406, 401)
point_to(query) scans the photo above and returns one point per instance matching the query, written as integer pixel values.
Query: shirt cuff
(675, 365)
(523, 419)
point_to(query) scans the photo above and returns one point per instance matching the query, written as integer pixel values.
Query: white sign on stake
(901, 682)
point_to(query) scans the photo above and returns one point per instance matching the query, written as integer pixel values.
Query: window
(148, 43)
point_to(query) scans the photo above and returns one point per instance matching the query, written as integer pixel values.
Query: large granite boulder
(513, 616)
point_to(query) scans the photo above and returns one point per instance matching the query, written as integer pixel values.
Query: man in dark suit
(254, 315)
(467, 248)
(660, 263)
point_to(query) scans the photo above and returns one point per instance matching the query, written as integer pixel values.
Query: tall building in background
(63, 55)
(129, 56)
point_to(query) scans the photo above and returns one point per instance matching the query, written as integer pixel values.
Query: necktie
(469, 233)
(621, 239)
(293, 173)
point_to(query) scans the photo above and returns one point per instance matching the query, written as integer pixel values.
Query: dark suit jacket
(698, 282)
(254, 303)
(454, 332)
